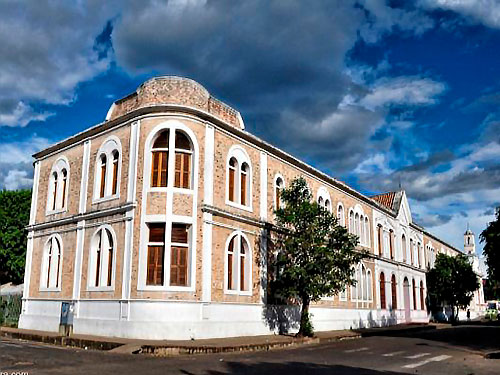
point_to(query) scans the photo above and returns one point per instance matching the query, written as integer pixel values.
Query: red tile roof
(386, 199)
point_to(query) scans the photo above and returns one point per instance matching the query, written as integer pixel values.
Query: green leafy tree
(491, 239)
(14, 217)
(452, 283)
(316, 256)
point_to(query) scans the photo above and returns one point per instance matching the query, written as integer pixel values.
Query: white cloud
(16, 179)
(47, 49)
(483, 11)
(410, 91)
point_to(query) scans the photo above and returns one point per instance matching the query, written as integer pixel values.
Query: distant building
(155, 224)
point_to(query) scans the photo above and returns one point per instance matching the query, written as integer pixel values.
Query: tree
(491, 239)
(14, 217)
(452, 283)
(316, 256)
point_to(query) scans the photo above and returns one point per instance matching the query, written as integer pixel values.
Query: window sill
(105, 199)
(237, 292)
(53, 212)
(239, 206)
(162, 288)
(100, 289)
(49, 289)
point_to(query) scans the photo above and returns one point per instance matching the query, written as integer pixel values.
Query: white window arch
(323, 198)
(239, 179)
(279, 185)
(57, 200)
(108, 169)
(102, 259)
(340, 214)
(52, 264)
(238, 265)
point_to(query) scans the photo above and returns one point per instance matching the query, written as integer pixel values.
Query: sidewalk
(177, 347)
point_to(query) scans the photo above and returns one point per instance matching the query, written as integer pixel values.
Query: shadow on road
(476, 336)
(290, 368)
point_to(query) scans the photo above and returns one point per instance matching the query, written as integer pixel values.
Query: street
(371, 355)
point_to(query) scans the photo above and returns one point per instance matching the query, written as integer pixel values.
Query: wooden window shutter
(394, 293)
(231, 184)
(115, 174)
(382, 292)
(243, 187)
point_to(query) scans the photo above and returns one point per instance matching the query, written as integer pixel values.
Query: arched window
(328, 205)
(58, 186)
(422, 299)
(183, 156)
(239, 178)
(102, 258)
(369, 285)
(108, 168)
(414, 295)
(383, 305)
(114, 182)
(362, 229)
(391, 243)
(356, 224)
(380, 240)
(340, 214)
(320, 201)
(238, 264)
(364, 278)
(278, 186)
(404, 248)
(367, 232)
(351, 222)
(411, 252)
(159, 153)
(394, 293)
(51, 265)
(102, 185)
(54, 190)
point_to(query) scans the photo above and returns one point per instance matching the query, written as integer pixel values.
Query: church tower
(469, 245)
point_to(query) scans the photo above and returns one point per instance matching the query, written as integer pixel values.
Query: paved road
(372, 355)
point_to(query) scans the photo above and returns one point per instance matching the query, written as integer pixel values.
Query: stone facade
(203, 305)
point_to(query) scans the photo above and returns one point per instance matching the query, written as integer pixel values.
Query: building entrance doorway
(406, 291)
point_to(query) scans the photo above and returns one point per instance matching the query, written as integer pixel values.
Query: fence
(10, 309)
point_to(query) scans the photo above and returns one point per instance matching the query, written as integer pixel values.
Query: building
(155, 224)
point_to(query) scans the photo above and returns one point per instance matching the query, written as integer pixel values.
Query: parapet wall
(175, 90)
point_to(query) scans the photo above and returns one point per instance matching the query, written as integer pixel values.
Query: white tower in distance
(469, 244)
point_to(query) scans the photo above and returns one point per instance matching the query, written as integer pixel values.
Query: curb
(169, 350)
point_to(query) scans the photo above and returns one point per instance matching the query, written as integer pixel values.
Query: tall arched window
(356, 224)
(364, 278)
(411, 252)
(107, 180)
(102, 184)
(239, 178)
(362, 230)
(320, 201)
(183, 156)
(404, 248)
(383, 305)
(380, 240)
(369, 285)
(422, 299)
(351, 222)
(159, 165)
(391, 243)
(102, 258)
(414, 295)
(340, 214)
(58, 186)
(394, 293)
(51, 264)
(328, 205)
(367, 232)
(278, 186)
(238, 264)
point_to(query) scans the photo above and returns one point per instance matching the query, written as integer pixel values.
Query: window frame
(44, 272)
(108, 148)
(241, 156)
(277, 200)
(239, 236)
(91, 264)
(57, 200)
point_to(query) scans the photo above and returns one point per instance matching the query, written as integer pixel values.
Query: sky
(379, 94)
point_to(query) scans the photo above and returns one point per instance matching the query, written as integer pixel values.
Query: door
(406, 287)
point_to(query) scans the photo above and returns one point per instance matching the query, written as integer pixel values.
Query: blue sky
(377, 93)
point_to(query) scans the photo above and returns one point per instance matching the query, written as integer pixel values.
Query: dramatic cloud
(16, 168)
(47, 49)
(483, 11)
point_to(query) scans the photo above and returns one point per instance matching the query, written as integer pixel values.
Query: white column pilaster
(263, 186)
(208, 197)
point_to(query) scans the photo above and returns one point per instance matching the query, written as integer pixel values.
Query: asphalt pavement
(370, 355)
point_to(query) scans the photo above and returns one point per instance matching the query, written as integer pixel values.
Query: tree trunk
(305, 329)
